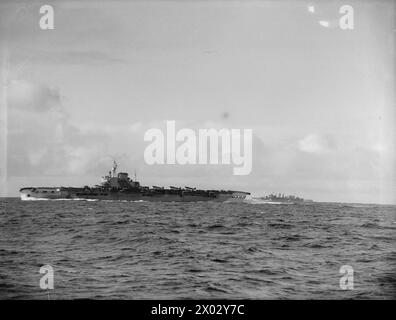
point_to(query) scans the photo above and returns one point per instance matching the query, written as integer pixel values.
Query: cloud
(70, 57)
(28, 96)
(314, 143)
(41, 139)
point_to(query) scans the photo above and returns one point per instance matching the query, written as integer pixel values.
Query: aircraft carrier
(121, 187)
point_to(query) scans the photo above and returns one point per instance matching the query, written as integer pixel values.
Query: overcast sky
(319, 99)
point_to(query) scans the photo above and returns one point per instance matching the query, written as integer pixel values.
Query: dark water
(125, 250)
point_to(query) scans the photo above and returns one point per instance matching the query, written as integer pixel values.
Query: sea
(202, 250)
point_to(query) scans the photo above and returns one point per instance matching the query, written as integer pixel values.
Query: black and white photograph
(197, 150)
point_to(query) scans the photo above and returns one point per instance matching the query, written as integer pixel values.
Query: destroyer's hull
(67, 194)
(267, 201)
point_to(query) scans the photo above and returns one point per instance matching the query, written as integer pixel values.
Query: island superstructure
(121, 187)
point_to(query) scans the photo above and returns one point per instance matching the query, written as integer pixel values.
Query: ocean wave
(112, 249)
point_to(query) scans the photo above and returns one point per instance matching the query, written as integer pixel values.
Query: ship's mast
(114, 169)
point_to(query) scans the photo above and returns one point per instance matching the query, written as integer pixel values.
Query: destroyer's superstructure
(282, 199)
(121, 187)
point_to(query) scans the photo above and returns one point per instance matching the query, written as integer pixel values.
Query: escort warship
(121, 187)
(282, 199)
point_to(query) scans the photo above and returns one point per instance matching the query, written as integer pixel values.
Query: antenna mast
(114, 169)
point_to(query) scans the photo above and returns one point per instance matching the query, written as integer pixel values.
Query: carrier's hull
(73, 193)
(120, 187)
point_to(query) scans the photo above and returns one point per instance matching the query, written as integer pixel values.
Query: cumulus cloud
(29, 96)
(315, 143)
(41, 139)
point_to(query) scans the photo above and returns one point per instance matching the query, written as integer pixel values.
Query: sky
(319, 99)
